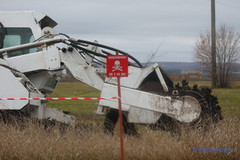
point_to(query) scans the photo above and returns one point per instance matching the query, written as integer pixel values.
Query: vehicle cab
(21, 27)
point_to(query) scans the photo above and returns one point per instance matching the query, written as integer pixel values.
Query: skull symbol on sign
(117, 66)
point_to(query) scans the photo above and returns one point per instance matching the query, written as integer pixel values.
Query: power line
(228, 5)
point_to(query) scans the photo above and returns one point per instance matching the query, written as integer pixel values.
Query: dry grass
(33, 142)
(89, 142)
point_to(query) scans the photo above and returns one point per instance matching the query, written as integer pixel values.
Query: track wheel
(210, 110)
(111, 120)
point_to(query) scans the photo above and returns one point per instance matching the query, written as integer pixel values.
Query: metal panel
(81, 70)
(138, 98)
(184, 109)
(44, 60)
(160, 76)
(29, 62)
(10, 87)
(138, 115)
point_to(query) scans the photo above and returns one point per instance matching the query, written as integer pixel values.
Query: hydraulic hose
(87, 50)
(107, 47)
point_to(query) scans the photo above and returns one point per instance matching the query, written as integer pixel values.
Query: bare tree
(227, 53)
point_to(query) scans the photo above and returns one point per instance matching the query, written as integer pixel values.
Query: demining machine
(33, 59)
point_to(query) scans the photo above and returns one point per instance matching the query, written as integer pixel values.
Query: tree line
(227, 53)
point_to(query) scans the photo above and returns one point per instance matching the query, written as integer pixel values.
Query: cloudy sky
(139, 27)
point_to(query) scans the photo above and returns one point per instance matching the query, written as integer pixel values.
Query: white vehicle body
(33, 68)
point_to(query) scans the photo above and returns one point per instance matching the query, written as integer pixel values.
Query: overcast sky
(139, 27)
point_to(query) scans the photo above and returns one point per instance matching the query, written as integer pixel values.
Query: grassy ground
(83, 110)
(30, 141)
(75, 89)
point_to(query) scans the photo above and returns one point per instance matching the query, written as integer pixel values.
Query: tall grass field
(88, 142)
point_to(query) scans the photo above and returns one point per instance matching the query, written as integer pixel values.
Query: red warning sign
(117, 65)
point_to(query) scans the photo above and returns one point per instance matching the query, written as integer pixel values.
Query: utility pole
(213, 41)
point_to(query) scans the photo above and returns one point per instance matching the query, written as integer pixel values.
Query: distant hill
(178, 68)
(183, 68)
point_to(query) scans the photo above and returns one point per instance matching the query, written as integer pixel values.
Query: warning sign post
(117, 66)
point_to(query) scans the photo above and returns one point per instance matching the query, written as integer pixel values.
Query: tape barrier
(57, 98)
